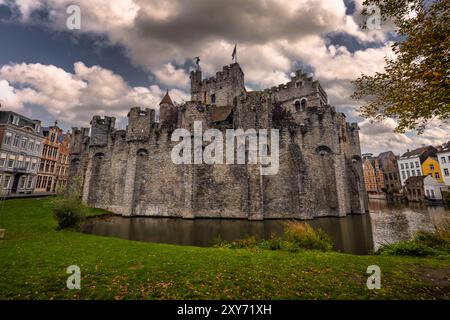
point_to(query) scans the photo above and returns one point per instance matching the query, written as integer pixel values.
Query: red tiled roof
(166, 99)
(220, 113)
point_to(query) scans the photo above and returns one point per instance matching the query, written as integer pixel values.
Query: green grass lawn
(34, 257)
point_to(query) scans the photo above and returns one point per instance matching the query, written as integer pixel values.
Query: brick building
(373, 176)
(388, 165)
(63, 162)
(46, 181)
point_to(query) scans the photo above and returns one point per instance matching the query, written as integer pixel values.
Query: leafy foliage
(67, 208)
(69, 212)
(424, 244)
(408, 248)
(297, 236)
(414, 87)
(305, 236)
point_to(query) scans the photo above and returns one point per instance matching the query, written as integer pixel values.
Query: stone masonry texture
(130, 172)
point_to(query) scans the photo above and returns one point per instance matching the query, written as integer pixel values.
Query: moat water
(357, 234)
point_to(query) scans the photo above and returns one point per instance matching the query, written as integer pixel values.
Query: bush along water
(67, 208)
(423, 244)
(297, 236)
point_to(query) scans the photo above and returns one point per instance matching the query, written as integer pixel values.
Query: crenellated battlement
(140, 122)
(301, 85)
(219, 90)
(131, 172)
(101, 129)
(230, 72)
(78, 140)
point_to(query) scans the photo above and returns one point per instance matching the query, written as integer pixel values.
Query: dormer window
(15, 120)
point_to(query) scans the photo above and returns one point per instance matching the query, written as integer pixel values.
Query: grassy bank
(34, 257)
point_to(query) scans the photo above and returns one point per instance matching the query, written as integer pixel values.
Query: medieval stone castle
(130, 172)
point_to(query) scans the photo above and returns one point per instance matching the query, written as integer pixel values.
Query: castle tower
(168, 113)
(196, 84)
(101, 129)
(139, 124)
(78, 139)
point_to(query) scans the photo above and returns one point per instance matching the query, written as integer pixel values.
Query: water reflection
(358, 234)
(392, 222)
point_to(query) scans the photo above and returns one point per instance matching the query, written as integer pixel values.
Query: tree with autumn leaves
(414, 87)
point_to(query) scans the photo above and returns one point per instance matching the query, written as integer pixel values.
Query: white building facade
(433, 188)
(410, 163)
(444, 163)
(409, 167)
(21, 143)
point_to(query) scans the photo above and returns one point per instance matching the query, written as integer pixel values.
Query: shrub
(430, 239)
(274, 243)
(423, 244)
(443, 230)
(69, 212)
(407, 248)
(296, 236)
(249, 242)
(218, 242)
(303, 236)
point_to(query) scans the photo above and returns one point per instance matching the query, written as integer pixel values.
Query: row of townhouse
(425, 173)
(33, 158)
(381, 175)
(419, 175)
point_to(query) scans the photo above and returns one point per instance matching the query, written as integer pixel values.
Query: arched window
(323, 150)
(99, 156)
(297, 105)
(142, 153)
(300, 104)
(356, 159)
(303, 104)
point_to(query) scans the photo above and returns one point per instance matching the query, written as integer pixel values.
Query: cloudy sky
(128, 52)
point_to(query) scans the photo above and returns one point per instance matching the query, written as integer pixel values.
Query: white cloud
(171, 76)
(272, 36)
(377, 137)
(8, 97)
(76, 96)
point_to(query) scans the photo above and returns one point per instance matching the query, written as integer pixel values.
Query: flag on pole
(234, 55)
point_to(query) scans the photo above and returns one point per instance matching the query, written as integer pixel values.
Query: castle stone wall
(131, 172)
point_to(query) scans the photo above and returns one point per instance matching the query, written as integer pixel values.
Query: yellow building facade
(431, 167)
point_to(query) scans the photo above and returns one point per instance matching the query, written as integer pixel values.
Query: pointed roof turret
(166, 99)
